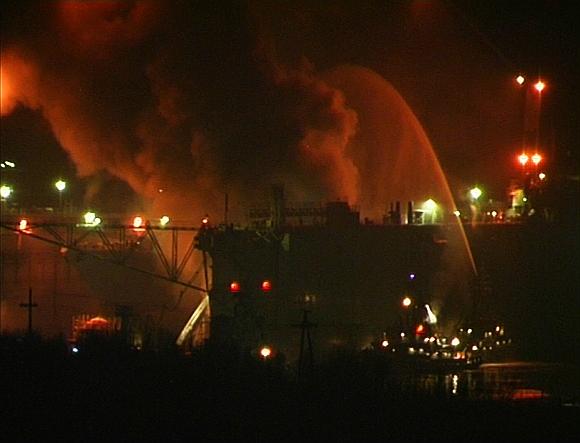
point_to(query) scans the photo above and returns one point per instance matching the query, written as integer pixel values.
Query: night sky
(196, 99)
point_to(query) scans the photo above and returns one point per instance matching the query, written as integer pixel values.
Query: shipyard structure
(299, 281)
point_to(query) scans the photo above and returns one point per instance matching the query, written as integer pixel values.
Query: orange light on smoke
(5, 92)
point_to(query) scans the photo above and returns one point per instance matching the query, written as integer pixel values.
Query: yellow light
(520, 79)
(494, 214)
(455, 341)
(407, 302)
(430, 205)
(523, 159)
(89, 217)
(542, 176)
(60, 185)
(536, 158)
(164, 220)
(385, 343)
(540, 86)
(431, 317)
(475, 193)
(456, 213)
(265, 352)
(23, 224)
(5, 191)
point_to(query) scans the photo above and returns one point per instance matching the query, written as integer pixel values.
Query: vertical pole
(226, 209)
(204, 254)
(29, 311)
(29, 306)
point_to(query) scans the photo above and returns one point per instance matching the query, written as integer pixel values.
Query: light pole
(475, 193)
(60, 186)
(5, 192)
(532, 107)
(406, 303)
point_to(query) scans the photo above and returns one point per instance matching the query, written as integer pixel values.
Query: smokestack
(410, 220)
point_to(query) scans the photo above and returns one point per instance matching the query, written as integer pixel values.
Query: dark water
(111, 394)
(506, 381)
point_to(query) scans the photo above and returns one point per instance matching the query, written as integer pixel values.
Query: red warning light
(420, 329)
(266, 286)
(235, 287)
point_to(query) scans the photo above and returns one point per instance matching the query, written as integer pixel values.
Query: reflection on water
(514, 381)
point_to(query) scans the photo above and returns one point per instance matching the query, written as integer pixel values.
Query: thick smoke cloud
(183, 102)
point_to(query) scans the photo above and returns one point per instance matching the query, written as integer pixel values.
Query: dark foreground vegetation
(115, 394)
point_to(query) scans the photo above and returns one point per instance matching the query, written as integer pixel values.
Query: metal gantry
(117, 243)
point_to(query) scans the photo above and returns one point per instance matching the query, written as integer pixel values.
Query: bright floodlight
(475, 193)
(536, 158)
(407, 302)
(520, 79)
(540, 85)
(60, 185)
(523, 159)
(265, 352)
(137, 221)
(430, 205)
(5, 191)
(90, 217)
(431, 317)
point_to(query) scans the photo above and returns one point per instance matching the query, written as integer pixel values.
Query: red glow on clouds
(17, 82)
(105, 26)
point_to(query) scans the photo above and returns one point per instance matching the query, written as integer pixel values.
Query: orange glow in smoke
(4, 92)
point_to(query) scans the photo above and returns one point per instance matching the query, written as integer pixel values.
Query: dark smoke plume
(182, 101)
